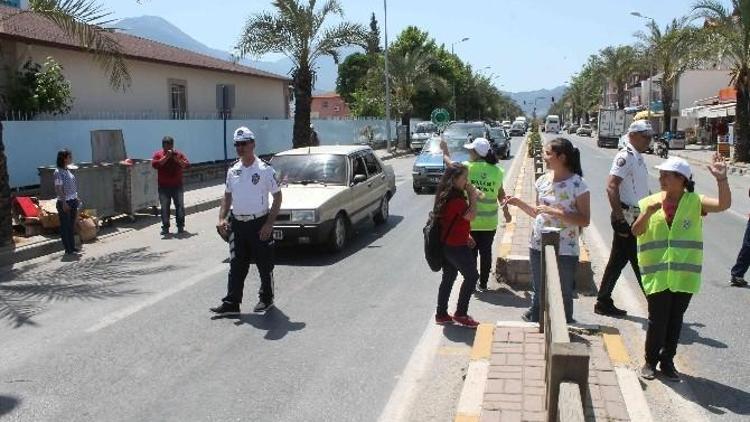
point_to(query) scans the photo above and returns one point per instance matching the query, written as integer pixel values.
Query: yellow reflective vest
(489, 179)
(672, 257)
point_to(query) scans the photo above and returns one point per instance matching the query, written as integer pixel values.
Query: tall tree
(673, 50)
(352, 73)
(619, 63)
(86, 21)
(373, 37)
(297, 31)
(729, 32)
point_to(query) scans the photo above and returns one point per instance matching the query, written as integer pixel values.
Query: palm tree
(296, 30)
(730, 32)
(674, 51)
(87, 22)
(619, 63)
(409, 73)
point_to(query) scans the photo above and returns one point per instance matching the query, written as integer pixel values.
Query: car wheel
(417, 188)
(383, 213)
(339, 233)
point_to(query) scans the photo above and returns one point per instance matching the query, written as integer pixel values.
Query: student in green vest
(670, 255)
(487, 177)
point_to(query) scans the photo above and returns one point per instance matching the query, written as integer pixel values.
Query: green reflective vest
(672, 257)
(489, 179)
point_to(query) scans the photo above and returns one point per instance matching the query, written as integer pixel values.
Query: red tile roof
(34, 29)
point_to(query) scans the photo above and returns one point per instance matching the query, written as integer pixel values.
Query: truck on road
(612, 125)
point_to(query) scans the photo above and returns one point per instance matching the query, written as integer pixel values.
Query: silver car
(327, 191)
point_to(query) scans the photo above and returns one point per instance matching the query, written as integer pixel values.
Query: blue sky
(530, 44)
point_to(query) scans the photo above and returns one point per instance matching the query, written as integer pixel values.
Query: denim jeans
(484, 240)
(743, 257)
(566, 265)
(457, 259)
(68, 224)
(176, 195)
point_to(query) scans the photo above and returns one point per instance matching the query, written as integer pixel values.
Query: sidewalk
(198, 198)
(703, 155)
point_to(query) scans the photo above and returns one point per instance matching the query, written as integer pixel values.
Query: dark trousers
(665, 312)
(484, 240)
(244, 245)
(177, 196)
(624, 250)
(68, 224)
(743, 258)
(457, 259)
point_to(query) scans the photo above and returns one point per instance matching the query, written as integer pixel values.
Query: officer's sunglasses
(242, 143)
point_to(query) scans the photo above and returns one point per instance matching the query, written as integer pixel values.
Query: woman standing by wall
(670, 254)
(564, 202)
(67, 200)
(456, 206)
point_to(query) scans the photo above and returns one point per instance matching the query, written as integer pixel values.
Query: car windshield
(454, 145)
(586, 126)
(464, 130)
(426, 128)
(518, 125)
(328, 169)
(497, 133)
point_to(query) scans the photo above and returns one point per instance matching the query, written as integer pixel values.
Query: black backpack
(433, 241)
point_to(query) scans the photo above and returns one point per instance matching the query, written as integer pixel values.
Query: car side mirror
(359, 178)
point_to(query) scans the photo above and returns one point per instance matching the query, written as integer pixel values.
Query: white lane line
(117, 316)
(400, 403)
(680, 395)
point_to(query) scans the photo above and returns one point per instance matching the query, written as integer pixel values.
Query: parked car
(429, 166)
(500, 142)
(573, 128)
(506, 124)
(328, 191)
(584, 130)
(423, 132)
(518, 128)
(676, 140)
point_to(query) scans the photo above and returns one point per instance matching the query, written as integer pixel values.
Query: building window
(177, 99)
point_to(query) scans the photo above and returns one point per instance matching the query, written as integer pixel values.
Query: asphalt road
(714, 341)
(125, 333)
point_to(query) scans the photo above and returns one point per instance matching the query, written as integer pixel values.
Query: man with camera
(169, 164)
(627, 184)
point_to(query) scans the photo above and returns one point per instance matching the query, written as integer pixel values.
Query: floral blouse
(555, 194)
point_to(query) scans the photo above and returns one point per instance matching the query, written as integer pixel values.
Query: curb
(627, 378)
(51, 246)
(469, 407)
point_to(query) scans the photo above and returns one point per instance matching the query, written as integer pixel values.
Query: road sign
(440, 117)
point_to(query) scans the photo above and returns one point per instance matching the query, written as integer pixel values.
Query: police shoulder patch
(620, 161)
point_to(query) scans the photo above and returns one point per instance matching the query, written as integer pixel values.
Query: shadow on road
(275, 322)
(316, 256)
(503, 297)
(458, 334)
(715, 397)
(7, 404)
(689, 334)
(24, 293)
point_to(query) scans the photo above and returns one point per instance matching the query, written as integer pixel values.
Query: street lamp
(387, 83)
(651, 65)
(454, 82)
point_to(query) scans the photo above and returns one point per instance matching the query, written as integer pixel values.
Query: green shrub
(535, 141)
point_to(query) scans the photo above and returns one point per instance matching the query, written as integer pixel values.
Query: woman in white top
(67, 200)
(563, 202)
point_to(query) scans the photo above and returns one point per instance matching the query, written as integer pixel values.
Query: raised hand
(718, 167)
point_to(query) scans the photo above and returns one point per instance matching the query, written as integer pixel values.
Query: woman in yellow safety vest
(670, 255)
(487, 177)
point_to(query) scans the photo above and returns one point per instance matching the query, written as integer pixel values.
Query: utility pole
(387, 82)
(454, 82)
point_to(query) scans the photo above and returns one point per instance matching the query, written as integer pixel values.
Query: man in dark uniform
(250, 181)
(627, 184)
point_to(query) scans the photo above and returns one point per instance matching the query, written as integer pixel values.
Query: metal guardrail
(565, 362)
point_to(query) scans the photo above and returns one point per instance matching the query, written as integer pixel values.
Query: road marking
(632, 394)
(400, 403)
(483, 342)
(130, 310)
(616, 349)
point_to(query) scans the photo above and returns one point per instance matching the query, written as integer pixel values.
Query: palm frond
(86, 21)
(343, 34)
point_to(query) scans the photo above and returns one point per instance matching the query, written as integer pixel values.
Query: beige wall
(255, 97)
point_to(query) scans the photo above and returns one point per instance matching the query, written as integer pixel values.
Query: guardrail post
(566, 362)
(549, 237)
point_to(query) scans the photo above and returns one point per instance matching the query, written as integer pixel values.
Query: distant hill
(159, 29)
(542, 104)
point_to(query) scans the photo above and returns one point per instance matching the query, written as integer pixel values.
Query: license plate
(278, 235)
(435, 179)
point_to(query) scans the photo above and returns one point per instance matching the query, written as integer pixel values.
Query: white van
(552, 124)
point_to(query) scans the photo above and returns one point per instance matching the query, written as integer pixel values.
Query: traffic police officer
(627, 184)
(249, 184)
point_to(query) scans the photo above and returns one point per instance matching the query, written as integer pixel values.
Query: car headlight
(417, 170)
(303, 216)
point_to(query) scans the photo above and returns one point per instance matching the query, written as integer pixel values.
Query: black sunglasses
(242, 143)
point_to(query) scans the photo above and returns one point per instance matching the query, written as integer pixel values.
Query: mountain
(543, 99)
(159, 29)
